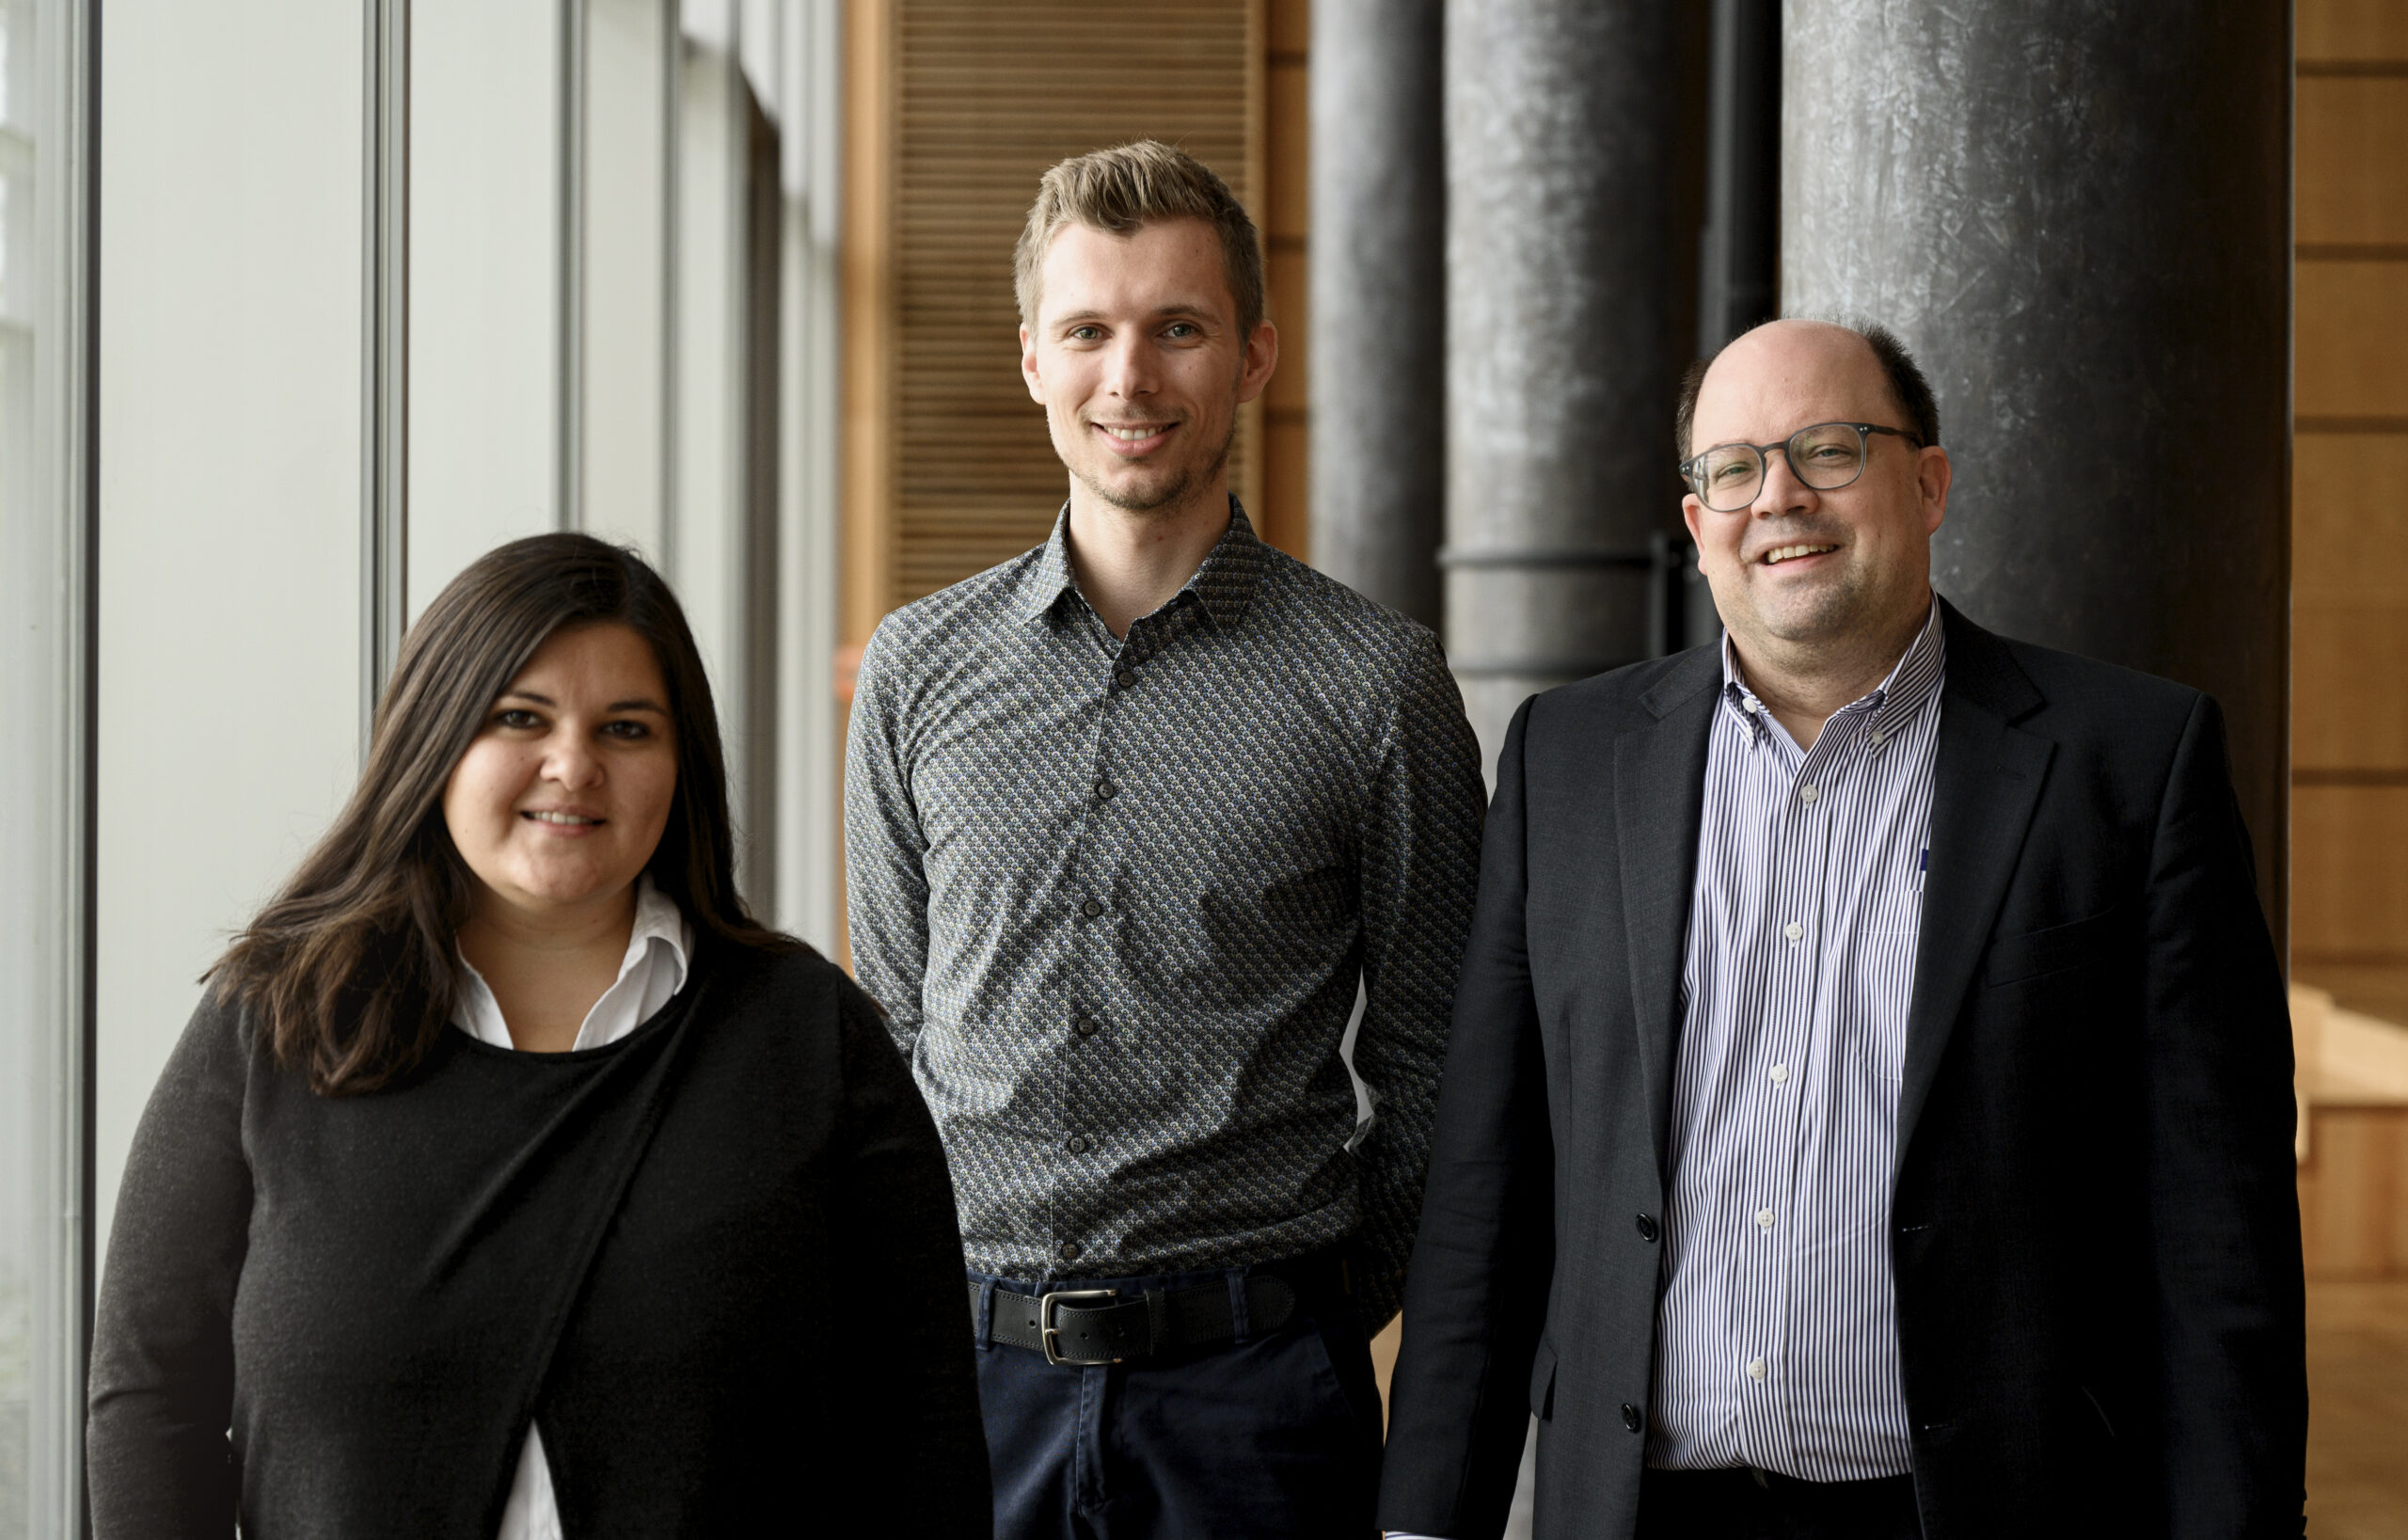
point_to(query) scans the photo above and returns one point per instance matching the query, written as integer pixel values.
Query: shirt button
(1779, 1074)
(1124, 678)
(1756, 1369)
(1876, 735)
(1793, 929)
(1646, 1226)
(1764, 1218)
(1807, 794)
(1752, 705)
(1085, 1026)
(1076, 1144)
(1104, 789)
(1630, 1418)
(1091, 909)
(1071, 1250)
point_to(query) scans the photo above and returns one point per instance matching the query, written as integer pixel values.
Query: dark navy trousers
(1275, 1437)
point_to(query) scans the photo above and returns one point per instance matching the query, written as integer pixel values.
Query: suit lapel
(1985, 782)
(1659, 794)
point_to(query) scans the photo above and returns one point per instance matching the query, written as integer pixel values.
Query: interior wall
(1282, 508)
(485, 383)
(229, 488)
(2350, 508)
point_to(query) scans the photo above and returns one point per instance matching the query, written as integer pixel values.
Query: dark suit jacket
(2095, 1221)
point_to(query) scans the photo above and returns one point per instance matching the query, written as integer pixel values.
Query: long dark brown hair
(351, 971)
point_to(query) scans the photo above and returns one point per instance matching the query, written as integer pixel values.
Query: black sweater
(716, 1262)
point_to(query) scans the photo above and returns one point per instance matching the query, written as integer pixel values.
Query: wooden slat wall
(2349, 506)
(1282, 508)
(989, 95)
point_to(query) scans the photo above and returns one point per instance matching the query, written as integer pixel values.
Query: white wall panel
(484, 267)
(229, 485)
(709, 540)
(627, 100)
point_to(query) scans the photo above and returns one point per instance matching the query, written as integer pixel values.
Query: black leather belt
(1087, 1327)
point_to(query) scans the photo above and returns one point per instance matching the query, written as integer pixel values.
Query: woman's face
(561, 800)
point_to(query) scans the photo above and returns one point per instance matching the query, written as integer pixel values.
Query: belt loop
(1157, 1320)
(985, 1323)
(1244, 1328)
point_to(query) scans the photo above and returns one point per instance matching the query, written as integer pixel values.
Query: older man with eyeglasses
(1868, 1108)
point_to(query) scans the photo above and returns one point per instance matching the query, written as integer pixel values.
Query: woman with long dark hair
(511, 1181)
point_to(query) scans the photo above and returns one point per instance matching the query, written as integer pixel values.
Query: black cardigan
(716, 1262)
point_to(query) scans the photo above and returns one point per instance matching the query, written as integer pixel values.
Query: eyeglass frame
(1690, 473)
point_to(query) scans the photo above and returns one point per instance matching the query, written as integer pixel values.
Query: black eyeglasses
(1826, 457)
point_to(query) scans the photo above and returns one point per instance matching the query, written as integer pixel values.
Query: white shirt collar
(650, 975)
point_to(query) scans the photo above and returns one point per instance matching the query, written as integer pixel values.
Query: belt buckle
(1048, 1334)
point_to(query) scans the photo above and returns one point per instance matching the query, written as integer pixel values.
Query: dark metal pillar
(2076, 213)
(1378, 308)
(1739, 253)
(1561, 121)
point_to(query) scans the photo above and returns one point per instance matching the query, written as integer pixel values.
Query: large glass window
(43, 849)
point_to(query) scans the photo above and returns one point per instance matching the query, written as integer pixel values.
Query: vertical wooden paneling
(987, 98)
(866, 278)
(2350, 502)
(1283, 507)
(2350, 31)
(2338, 118)
(2351, 340)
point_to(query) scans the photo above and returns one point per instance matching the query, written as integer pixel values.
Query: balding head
(1910, 395)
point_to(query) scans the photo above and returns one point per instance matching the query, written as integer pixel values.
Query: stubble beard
(1836, 610)
(1171, 495)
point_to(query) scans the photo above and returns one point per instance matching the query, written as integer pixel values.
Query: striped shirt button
(1779, 1073)
(1756, 1369)
(1793, 930)
(1764, 1218)
(1807, 794)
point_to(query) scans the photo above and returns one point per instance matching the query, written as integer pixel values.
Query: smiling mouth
(1779, 554)
(1134, 437)
(564, 821)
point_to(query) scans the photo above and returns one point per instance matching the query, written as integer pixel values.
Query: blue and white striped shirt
(1777, 1329)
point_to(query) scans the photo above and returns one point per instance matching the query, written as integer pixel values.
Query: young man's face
(1139, 361)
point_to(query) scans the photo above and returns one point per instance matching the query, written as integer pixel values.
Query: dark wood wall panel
(2349, 506)
(988, 97)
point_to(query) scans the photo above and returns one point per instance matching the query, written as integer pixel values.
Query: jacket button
(1071, 1249)
(1091, 909)
(1630, 1418)
(1646, 1226)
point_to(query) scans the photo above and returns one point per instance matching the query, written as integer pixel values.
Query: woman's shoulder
(780, 986)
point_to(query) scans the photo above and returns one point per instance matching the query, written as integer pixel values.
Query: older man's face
(1802, 569)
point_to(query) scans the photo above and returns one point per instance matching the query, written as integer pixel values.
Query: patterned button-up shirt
(1778, 1337)
(1117, 896)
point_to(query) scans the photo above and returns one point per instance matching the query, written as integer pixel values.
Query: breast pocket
(2056, 949)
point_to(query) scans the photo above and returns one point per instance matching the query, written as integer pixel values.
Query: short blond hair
(1126, 187)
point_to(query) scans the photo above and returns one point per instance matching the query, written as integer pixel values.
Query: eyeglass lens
(1827, 457)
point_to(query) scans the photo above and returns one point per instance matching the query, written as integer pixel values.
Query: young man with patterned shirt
(1129, 818)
